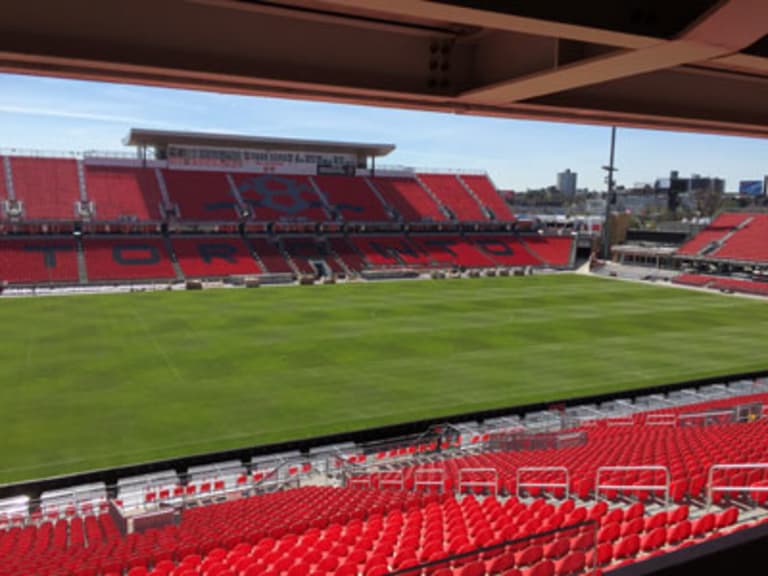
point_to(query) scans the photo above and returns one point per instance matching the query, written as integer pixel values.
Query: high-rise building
(566, 182)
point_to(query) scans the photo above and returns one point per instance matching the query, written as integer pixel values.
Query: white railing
(711, 488)
(489, 479)
(600, 486)
(429, 477)
(662, 419)
(565, 485)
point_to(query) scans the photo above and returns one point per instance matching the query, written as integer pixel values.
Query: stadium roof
(162, 139)
(697, 65)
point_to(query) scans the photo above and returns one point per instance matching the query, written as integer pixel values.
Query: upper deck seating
(48, 187)
(123, 194)
(35, 260)
(139, 258)
(484, 189)
(351, 197)
(214, 256)
(201, 196)
(717, 230)
(409, 199)
(750, 243)
(452, 194)
(280, 198)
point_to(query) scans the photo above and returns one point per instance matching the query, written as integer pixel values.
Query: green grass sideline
(105, 380)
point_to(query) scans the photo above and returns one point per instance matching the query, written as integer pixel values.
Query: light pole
(611, 196)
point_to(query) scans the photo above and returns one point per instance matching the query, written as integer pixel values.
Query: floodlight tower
(610, 169)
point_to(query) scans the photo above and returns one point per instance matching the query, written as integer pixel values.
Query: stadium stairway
(174, 259)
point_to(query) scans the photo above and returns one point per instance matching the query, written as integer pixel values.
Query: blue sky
(54, 114)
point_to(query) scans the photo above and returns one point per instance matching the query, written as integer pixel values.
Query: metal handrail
(493, 484)
(524, 469)
(423, 477)
(665, 487)
(661, 419)
(748, 466)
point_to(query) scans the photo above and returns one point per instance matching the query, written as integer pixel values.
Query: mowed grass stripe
(97, 381)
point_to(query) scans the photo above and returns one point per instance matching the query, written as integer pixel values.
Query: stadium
(235, 355)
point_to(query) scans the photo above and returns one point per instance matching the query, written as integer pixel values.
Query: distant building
(695, 183)
(566, 183)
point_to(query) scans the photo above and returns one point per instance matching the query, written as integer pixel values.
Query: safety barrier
(600, 486)
(712, 489)
(565, 486)
(489, 479)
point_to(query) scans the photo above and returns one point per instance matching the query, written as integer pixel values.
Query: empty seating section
(32, 260)
(739, 285)
(552, 250)
(453, 250)
(271, 256)
(273, 197)
(409, 199)
(504, 250)
(759, 288)
(693, 280)
(749, 243)
(347, 253)
(484, 189)
(716, 231)
(122, 194)
(139, 258)
(303, 251)
(390, 251)
(201, 196)
(48, 187)
(450, 191)
(214, 256)
(351, 197)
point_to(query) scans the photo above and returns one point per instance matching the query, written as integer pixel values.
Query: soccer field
(96, 381)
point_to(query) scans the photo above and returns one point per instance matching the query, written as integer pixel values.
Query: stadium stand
(306, 250)
(744, 286)
(38, 260)
(390, 251)
(712, 234)
(214, 256)
(409, 199)
(225, 528)
(201, 196)
(123, 194)
(454, 195)
(504, 250)
(49, 188)
(351, 257)
(552, 250)
(486, 192)
(453, 251)
(351, 197)
(280, 198)
(271, 255)
(139, 258)
(747, 243)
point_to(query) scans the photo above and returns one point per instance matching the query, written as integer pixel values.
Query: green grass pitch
(97, 381)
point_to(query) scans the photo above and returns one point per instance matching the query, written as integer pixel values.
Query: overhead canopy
(679, 64)
(161, 139)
